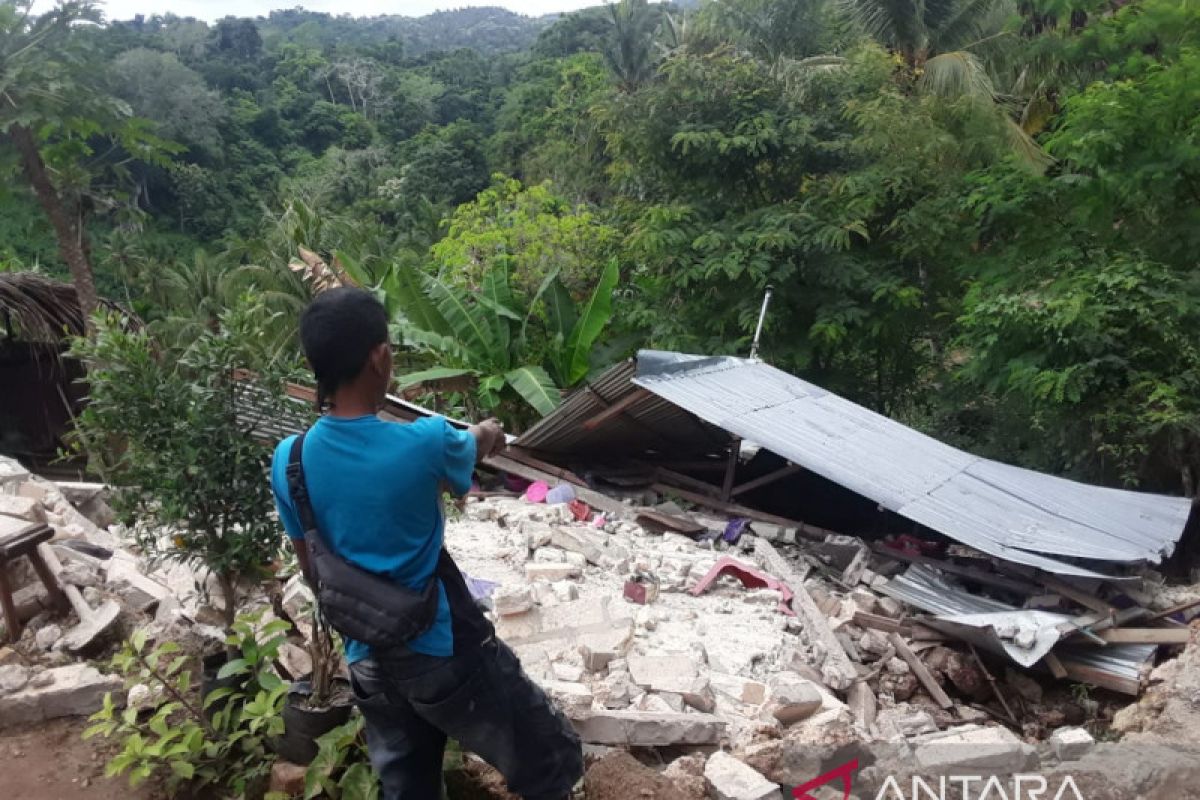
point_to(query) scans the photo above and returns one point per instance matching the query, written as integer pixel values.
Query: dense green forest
(981, 217)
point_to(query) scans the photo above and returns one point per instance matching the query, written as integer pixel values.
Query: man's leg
(406, 751)
(494, 710)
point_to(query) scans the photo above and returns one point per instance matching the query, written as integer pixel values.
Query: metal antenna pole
(762, 317)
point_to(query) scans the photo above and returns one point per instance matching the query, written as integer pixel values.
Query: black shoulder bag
(358, 604)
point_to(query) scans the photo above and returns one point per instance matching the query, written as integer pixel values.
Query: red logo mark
(845, 772)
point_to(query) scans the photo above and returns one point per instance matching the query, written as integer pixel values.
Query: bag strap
(298, 489)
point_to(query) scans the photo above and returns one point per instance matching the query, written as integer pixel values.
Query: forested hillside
(981, 217)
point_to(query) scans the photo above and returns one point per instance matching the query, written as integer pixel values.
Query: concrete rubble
(731, 779)
(1071, 744)
(72, 690)
(743, 690)
(773, 699)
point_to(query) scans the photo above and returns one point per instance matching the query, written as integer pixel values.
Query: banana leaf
(466, 322)
(403, 287)
(560, 308)
(428, 375)
(594, 316)
(536, 387)
(496, 295)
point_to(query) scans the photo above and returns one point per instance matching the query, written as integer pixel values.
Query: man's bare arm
(489, 438)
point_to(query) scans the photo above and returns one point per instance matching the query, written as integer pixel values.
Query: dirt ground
(51, 762)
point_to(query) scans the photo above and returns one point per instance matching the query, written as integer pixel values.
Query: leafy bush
(188, 742)
(187, 437)
(341, 770)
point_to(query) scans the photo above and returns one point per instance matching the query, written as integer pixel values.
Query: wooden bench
(19, 538)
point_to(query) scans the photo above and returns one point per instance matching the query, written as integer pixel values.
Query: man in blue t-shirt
(375, 489)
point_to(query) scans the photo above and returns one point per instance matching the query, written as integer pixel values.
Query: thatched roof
(39, 309)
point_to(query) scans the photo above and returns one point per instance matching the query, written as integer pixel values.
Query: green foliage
(906, 175)
(482, 336)
(341, 770)
(220, 746)
(190, 452)
(527, 229)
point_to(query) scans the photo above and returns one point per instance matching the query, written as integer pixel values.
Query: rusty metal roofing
(649, 425)
(1004, 511)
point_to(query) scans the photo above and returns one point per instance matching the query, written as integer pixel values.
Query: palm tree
(949, 46)
(631, 50)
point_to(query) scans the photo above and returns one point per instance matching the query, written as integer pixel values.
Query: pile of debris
(688, 632)
(94, 591)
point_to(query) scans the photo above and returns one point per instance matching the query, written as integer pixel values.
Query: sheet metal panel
(1024, 635)
(1007, 512)
(648, 426)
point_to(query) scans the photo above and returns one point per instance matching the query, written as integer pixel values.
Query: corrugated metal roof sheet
(1024, 635)
(647, 426)
(1005, 511)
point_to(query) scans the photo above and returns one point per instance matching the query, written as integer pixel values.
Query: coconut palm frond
(797, 74)
(41, 309)
(971, 22)
(899, 24)
(957, 74)
(1028, 151)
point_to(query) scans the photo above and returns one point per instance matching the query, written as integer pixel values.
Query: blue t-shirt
(375, 491)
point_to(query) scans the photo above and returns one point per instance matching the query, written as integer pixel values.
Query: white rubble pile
(723, 667)
(98, 558)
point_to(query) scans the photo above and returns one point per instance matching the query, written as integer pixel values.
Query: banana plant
(481, 336)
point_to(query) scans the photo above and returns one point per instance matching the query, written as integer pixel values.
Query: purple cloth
(479, 588)
(735, 529)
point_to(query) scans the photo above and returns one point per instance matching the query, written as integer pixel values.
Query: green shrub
(219, 743)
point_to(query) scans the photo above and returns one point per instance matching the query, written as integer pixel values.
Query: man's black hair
(338, 331)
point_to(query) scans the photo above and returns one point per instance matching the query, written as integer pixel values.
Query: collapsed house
(699, 554)
(1051, 563)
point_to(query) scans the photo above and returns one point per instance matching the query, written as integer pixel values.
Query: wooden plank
(592, 498)
(837, 670)
(1090, 625)
(770, 477)
(1056, 667)
(529, 459)
(919, 669)
(669, 522)
(920, 633)
(1085, 599)
(992, 680)
(616, 409)
(735, 510)
(686, 481)
(1188, 606)
(880, 623)
(735, 451)
(1147, 635)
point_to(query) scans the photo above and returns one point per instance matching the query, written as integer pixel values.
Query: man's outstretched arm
(489, 438)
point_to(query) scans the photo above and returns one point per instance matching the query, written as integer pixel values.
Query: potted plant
(318, 703)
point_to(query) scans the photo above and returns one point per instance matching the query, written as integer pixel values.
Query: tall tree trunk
(71, 245)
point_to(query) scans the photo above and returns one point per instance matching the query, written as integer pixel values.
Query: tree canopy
(978, 216)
